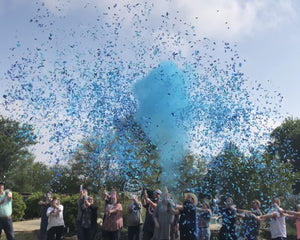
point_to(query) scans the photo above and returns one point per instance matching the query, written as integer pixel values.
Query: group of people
(252, 219)
(52, 221)
(165, 219)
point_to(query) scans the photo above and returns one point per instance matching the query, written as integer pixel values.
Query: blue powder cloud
(162, 99)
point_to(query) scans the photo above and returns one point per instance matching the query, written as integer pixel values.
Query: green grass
(291, 229)
(21, 236)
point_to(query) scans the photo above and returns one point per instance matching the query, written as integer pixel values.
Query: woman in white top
(277, 217)
(55, 220)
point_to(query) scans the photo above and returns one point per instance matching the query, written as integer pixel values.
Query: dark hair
(54, 199)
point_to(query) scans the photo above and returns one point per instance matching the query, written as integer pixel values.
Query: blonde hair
(276, 200)
(257, 202)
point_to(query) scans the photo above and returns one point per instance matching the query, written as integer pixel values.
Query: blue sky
(266, 34)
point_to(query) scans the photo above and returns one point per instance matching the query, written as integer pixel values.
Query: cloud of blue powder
(162, 101)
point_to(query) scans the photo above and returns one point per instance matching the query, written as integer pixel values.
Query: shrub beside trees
(18, 207)
(70, 210)
(33, 209)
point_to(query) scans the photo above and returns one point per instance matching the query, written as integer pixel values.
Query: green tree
(285, 145)
(15, 139)
(285, 142)
(27, 176)
(64, 180)
(140, 157)
(110, 160)
(244, 178)
(192, 170)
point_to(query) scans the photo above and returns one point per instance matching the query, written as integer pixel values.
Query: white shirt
(277, 225)
(56, 218)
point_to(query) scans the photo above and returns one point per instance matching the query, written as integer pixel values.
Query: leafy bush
(70, 210)
(18, 207)
(33, 209)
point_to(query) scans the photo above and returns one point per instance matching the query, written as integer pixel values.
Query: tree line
(242, 176)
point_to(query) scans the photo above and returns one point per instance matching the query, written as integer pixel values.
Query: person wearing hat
(149, 205)
(5, 213)
(188, 217)
(134, 219)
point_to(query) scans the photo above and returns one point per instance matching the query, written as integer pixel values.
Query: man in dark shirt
(45, 203)
(229, 217)
(150, 205)
(251, 224)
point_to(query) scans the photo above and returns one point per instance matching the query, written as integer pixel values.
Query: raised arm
(268, 216)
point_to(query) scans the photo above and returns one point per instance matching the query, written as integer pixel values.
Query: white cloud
(212, 18)
(241, 17)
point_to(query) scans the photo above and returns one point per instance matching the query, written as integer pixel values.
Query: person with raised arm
(45, 203)
(204, 216)
(89, 219)
(83, 196)
(229, 218)
(5, 213)
(251, 224)
(134, 219)
(296, 215)
(276, 216)
(149, 205)
(188, 217)
(56, 223)
(113, 222)
(163, 217)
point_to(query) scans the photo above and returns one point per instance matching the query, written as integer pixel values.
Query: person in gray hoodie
(134, 219)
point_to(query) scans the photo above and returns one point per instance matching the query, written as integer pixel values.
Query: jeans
(134, 232)
(115, 235)
(204, 233)
(43, 229)
(147, 235)
(7, 226)
(93, 231)
(55, 233)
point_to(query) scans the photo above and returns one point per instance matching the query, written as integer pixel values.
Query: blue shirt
(6, 207)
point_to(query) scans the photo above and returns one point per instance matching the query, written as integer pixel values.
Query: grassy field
(21, 236)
